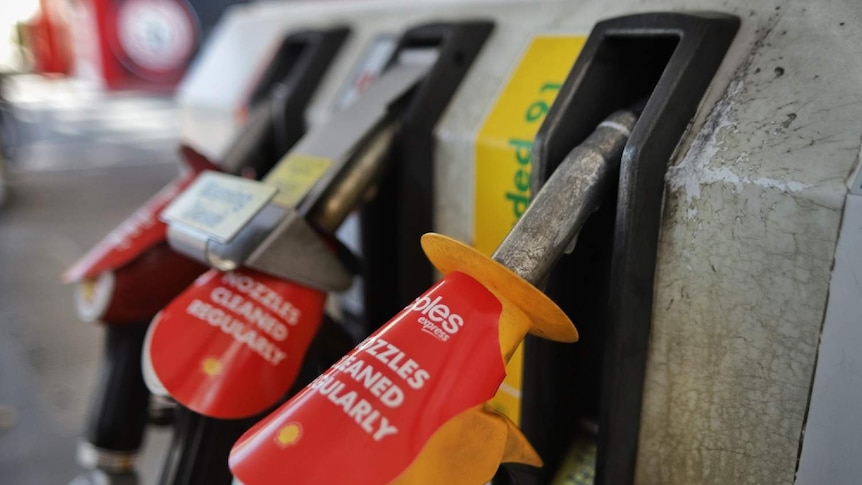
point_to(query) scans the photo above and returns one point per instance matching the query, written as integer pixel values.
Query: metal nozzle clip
(573, 192)
(356, 141)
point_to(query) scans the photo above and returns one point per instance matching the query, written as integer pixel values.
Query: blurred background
(87, 133)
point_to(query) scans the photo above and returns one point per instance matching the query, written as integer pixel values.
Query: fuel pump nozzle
(547, 229)
(550, 225)
(449, 341)
(294, 249)
(276, 257)
(317, 185)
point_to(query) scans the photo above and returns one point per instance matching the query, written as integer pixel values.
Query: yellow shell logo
(211, 366)
(88, 290)
(289, 434)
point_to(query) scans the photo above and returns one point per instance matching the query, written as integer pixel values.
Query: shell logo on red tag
(367, 418)
(232, 344)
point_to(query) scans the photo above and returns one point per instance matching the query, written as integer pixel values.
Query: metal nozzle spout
(574, 191)
(344, 194)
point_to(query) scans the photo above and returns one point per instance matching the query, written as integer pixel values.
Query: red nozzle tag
(139, 289)
(232, 344)
(139, 232)
(131, 238)
(367, 418)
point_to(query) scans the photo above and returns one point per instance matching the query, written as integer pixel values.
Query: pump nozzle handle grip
(119, 411)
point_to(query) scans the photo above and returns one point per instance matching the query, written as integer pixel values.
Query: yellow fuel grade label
(503, 149)
(295, 175)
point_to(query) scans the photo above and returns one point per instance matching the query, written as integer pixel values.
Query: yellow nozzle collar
(546, 319)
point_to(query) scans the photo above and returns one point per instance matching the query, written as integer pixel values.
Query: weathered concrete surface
(751, 219)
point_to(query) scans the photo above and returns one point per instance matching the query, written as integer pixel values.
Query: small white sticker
(218, 204)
